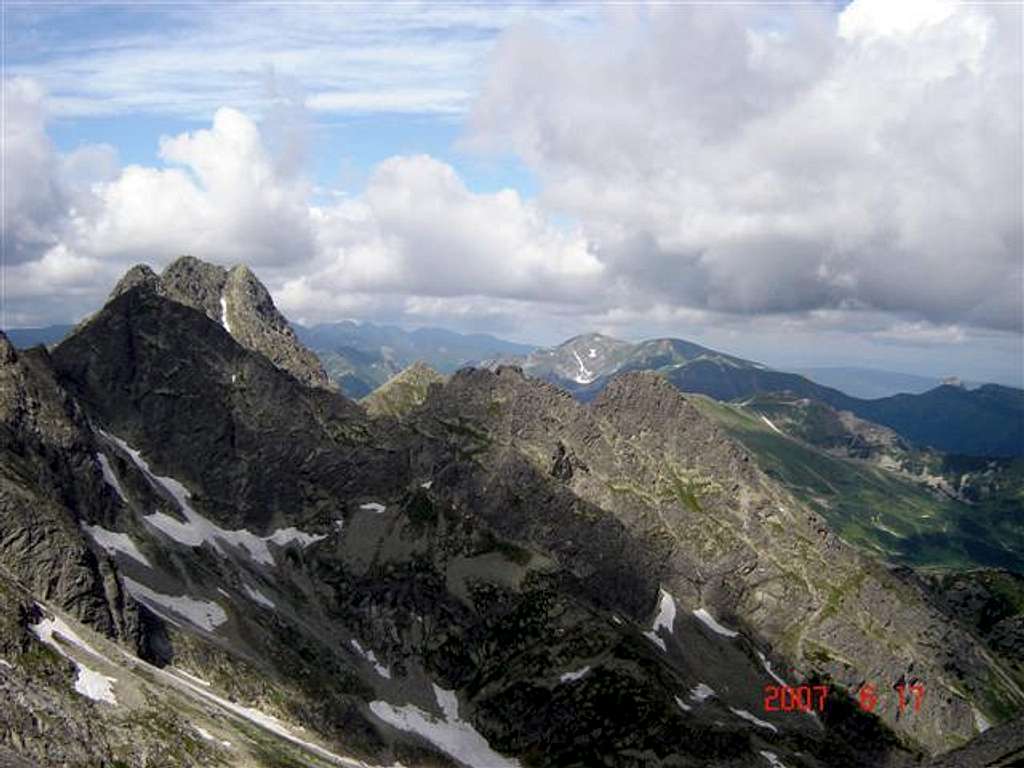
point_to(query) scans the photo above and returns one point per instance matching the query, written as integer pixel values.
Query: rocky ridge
(986, 421)
(556, 583)
(729, 537)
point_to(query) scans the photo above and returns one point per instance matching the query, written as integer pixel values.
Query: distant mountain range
(870, 383)
(360, 357)
(916, 507)
(987, 421)
(23, 338)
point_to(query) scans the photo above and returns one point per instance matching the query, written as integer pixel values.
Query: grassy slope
(878, 510)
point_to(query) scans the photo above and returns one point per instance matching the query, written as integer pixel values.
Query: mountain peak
(592, 337)
(140, 274)
(403, 392)
(236, 300)
(643, 387)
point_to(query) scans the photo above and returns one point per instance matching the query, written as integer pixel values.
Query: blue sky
(83, 56)
(807, 184)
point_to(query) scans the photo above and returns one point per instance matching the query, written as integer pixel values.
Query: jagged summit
(140, 274)
(237, 300)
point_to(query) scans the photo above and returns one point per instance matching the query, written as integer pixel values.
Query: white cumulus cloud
(416, 241)
(753, 160)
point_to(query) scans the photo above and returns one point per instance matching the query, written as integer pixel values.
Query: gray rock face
(48, 473)
(255, 322)
(237, 301)
(197, 284)
(999, 747)
(990, 602)
(138, 275)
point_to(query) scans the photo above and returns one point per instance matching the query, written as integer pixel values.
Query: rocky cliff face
(48, 475)
(239, 302)
(503, 576)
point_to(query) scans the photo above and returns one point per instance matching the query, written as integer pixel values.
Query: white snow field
(197, 530)
(450, 734)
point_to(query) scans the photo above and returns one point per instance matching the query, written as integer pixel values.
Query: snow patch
(258, 597)
(47, 628)
(656, 640)
(224, 313)
(450, 734)
(584, 376)
(767, 421)
(209, 736)
(109, 476)
(592, 353)
(980, 721)
(114, 542)
(682, 705)
(285, 536)
(879, 524)
(702, 692)
(714, 626)
(755, 720)
(88, 682)
(373, 506)
(371, 657)
(768, 668)
(571, 677)
(204, 614)
(666, 617)
(197, 529)
(95, 686)
(773, 759)
(427, 484)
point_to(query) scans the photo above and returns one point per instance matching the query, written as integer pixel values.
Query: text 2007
(784, 698)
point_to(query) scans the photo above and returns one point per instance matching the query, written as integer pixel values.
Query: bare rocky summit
(239, 302)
